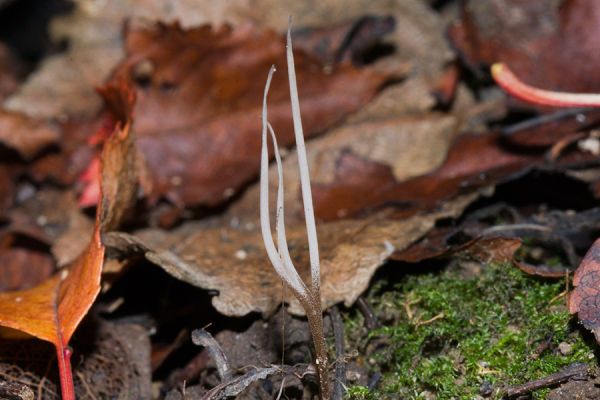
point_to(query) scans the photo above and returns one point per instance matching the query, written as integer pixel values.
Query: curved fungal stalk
(309, 215)
(309, 297)
(508, 81)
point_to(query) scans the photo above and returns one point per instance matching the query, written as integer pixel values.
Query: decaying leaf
(52, 310)
(51, 218)
(197, 110)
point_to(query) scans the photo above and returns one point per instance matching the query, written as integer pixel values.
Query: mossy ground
(449, 335)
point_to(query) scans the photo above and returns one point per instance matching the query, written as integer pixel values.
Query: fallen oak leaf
(52, 310)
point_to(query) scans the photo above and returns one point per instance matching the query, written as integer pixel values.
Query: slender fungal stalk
(507, 80)
(308, 297)
(309, 215)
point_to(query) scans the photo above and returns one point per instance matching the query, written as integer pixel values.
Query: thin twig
(340, 364)
(371, 320)
(574, 370)
(200, 337)
(235, 386)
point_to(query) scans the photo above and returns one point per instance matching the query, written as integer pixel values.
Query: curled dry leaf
(52, 310)
(198, 112)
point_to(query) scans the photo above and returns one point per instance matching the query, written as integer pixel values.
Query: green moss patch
(449, 336)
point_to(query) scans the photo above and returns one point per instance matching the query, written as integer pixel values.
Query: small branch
(574, 370)
(200, 337)
(371, 320)
(235, 386)
(340, 364)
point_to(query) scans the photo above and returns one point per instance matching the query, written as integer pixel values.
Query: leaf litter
(403, 147)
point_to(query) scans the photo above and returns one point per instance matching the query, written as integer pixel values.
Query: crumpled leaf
(52, 310)
(585, 297)
(197, 110)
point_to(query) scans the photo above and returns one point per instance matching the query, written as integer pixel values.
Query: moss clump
(451, 336)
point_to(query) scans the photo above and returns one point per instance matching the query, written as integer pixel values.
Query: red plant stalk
(507, 80)
(64, 370)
